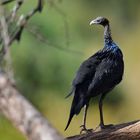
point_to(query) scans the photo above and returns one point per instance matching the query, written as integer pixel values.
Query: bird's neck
(107, 35)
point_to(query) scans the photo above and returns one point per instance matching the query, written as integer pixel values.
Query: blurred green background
(44, 71)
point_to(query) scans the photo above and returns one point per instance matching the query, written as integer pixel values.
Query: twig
(15, 9)
(16, 34)
(4, 2)
(23, 21)
(37, 34)
(4, 31)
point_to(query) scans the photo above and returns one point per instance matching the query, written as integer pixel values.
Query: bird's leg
(102, 126)
(83, 126)
(101, 111)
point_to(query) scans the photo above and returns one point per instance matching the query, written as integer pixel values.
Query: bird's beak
(93, 22)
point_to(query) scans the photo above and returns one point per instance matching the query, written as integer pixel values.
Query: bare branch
(40, 5)
(12, 104)
(15, 9)
(16, 35)
(6, 2)
(5, 48)
(4, 31)
(23, 21)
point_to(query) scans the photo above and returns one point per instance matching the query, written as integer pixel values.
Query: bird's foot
(109, 126)
(85, 130)
(102, 126)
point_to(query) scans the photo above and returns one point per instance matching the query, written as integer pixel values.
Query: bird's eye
(98, 20)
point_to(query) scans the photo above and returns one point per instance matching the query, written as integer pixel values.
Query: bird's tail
(69, 120)
(77, 104)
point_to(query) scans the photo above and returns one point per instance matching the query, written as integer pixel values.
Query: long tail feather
(77, 104)
(70, 118)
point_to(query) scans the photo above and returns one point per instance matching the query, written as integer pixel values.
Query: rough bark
(22, 114)
(125, 131)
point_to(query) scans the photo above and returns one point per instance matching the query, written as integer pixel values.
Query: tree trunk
(22, 114)
(126, 131)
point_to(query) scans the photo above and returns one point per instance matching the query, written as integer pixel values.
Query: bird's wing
(85, 72)
(87, 69)
(108, 73)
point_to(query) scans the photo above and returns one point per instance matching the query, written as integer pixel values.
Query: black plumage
(97, 75)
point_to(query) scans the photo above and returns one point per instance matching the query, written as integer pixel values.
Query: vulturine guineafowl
(97, 75)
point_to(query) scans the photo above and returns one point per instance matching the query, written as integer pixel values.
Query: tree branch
(23, 21)
(125, 131)
(6, 2)
(12, 104)
(22, 114)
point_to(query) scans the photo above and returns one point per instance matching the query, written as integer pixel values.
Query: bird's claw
(102, 126)
(85, 130)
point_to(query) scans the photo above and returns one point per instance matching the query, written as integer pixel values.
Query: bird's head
(100, 20)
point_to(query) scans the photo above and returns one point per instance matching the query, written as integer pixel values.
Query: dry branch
(22, 114)
(125, 131)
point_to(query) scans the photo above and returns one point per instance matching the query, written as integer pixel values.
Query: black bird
(97, 75)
